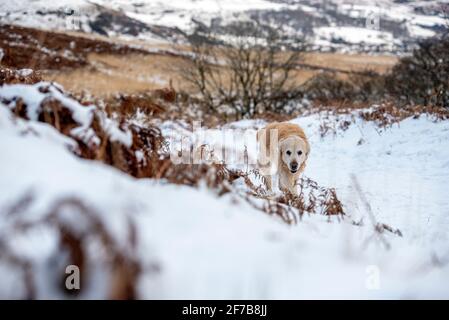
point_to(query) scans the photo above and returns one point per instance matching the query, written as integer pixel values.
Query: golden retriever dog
(283, 150)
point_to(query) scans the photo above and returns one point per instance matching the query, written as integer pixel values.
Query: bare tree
(253, 71)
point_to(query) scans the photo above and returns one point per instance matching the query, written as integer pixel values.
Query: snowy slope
(402, 169)
(382, 25)
(206, 246)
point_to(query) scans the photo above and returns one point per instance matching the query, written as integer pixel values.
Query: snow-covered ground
(353, 36)
(207, 246)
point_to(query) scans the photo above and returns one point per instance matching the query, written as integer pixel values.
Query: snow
(332, 20)
(24, 72)
(34, 95)
(386, 162)
(420, 32)
(24, 12)
(402, 170)
(355, 35)
(221, 247)
(180, 13)
(115, 133)
(207, 6)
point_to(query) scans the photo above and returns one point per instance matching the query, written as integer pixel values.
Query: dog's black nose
(294, 166)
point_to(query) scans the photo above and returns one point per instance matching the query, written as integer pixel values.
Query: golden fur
(291, 137)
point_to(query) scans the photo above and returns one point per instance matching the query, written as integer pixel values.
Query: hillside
(347, 26)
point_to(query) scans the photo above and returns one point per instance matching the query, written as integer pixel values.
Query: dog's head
(294, 152)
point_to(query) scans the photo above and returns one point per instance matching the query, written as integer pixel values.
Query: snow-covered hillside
(192, 243)
(382, 25)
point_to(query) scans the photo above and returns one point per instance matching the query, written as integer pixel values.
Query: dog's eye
(288, 152)
(300, 152)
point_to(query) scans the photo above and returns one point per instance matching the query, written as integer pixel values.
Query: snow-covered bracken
(191, 243)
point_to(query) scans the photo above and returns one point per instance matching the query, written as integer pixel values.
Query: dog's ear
(280, 143)
(307, 147)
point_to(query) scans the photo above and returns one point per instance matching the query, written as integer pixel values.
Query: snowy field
(194, 244)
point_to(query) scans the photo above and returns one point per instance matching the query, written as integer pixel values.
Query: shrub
(422, 78)
(357, 87)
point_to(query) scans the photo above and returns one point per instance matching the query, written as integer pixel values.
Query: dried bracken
(339, 118)
(312, 199)
(128, 105)
(97, 139)
(387, 114)
(141, 151)
(74, 238)
(12, 76)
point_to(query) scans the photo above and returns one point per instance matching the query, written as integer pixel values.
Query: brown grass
(106, 66)
(108, 74)
(351, 62)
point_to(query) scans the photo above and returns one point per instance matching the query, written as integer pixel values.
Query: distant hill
(335, 25)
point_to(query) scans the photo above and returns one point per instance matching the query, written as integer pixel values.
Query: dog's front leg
(293, 188)
(287, 184)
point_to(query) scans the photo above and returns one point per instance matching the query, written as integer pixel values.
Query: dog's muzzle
(293, 167)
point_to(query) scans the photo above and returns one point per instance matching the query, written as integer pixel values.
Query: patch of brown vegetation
(38, 49)
(109, 74)
(129, 104)
(340, 115)
(351, 62)
(312, 199)
(146, 141)
(274, 117)
(12, 76)
(387, 114)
